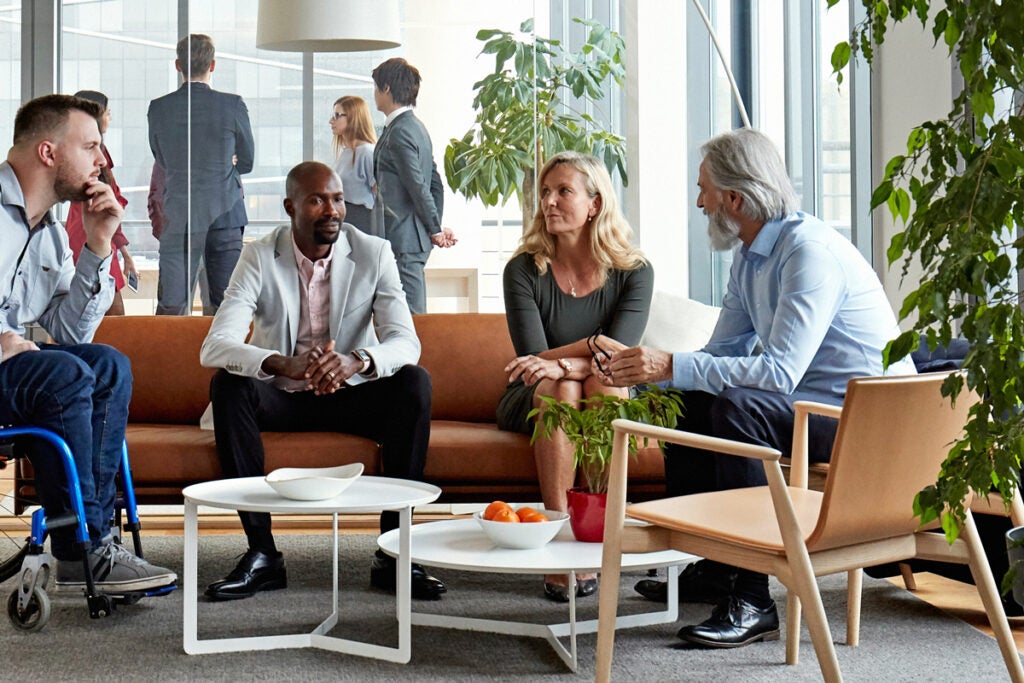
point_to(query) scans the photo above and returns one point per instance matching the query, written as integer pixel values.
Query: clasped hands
(324, 369)
(445, 238)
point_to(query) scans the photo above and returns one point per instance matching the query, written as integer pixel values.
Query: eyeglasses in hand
(596, 351)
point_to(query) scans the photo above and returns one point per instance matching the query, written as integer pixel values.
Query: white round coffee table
(253, 494)
(462, 545)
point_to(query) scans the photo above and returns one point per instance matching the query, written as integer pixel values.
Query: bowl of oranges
(520, 528)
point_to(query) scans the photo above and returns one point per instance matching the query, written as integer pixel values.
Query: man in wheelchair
(78, 390)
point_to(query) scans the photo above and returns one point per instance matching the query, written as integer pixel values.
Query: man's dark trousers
(393, 411)
(754, 416)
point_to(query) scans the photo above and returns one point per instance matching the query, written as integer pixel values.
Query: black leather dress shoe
(558, 593)
(424, 586)
(700, 581)
(256, 571)
(734, 623)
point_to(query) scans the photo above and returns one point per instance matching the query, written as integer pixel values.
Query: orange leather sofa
(469, 458)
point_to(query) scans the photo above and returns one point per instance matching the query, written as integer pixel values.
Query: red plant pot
(586, 514)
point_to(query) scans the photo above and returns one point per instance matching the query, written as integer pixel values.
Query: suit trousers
(180, 254)
(393, 411)
(410, 272)
(81, 393)
(750, 416)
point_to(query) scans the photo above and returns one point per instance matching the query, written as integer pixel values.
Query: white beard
(723, 231)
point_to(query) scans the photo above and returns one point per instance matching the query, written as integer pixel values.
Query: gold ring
(331, 374)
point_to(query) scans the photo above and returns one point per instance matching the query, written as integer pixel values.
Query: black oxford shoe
(424, 586)
(734, 623)
(256, 571)
(700, 581)
(558, 593)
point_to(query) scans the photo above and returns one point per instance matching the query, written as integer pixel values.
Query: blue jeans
(81, 393)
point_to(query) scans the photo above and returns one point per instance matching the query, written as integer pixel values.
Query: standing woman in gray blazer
(353, 150)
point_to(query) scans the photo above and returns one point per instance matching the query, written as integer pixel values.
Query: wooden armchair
(893, 435)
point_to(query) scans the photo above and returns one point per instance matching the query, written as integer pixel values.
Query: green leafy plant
(588, 426)
(958, 191)
(523, 116)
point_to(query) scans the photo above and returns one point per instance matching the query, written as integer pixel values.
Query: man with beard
(78, 390)
(333, 348)
(803, 314)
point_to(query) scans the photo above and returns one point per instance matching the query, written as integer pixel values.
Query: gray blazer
(220, 131)
(408, 184)
(368, 309)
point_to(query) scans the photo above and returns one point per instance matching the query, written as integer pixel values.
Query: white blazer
(368, 307)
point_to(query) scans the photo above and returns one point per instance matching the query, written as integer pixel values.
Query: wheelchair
(28, 607)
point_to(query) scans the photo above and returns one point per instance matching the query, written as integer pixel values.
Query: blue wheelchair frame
(36, 562)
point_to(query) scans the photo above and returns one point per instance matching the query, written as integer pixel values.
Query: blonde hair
(360, 125)
(610, 233)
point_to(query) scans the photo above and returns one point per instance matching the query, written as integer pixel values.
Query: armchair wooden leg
(990, 598)
(908, 576)
(611, 559)
(792, 627)
(854, 586)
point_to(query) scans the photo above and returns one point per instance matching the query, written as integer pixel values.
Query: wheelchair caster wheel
(35, 614)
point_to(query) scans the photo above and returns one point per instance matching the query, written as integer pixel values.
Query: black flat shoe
(700, 581)
(423, 586)
(557, 593)
(256, 571)
(734, 623)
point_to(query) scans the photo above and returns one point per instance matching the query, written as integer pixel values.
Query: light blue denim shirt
(818, 309)
(39, 281)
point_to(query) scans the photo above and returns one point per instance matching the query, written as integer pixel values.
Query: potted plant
(526, 111)
(959, 192)
(588, 426)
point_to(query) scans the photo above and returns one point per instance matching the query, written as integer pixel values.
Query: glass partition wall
(125, 49)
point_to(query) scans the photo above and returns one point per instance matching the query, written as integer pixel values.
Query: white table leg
(191, 578)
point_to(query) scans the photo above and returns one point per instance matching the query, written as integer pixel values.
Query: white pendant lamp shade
(327, 25)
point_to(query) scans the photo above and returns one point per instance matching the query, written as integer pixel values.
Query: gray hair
(746, 161)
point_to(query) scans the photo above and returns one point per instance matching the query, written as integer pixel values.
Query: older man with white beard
(803, 314)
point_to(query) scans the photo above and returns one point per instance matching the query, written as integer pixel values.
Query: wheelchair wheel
(36, 613)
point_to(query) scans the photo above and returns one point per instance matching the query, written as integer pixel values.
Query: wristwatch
(363, 357)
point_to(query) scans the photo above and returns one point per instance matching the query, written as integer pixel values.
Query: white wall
(911, 83)
(658, 196)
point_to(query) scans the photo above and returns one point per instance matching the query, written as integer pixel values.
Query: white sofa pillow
(678, 323)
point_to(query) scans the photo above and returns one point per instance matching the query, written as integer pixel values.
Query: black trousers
(750, 416)
(394, 411)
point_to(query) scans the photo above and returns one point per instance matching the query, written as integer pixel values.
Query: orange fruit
(532, 516)
(524, 511)
(494, 507)
(506, 515)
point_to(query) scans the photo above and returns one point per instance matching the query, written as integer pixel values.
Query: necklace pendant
(572, 290)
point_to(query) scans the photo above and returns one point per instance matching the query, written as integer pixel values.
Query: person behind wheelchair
(75, 389)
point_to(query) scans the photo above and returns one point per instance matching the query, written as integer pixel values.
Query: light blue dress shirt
(39, 281)
(812, 300)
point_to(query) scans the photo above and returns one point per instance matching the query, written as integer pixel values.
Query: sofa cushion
(170, 386)
(678, 323)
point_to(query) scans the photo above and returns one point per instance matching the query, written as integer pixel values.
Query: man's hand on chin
(101, 214)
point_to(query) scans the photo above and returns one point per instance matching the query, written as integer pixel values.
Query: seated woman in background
(73, 223)
(353, 146)
(575, 274)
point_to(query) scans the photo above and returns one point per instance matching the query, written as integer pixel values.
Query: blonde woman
(575, 277)
(354, 141)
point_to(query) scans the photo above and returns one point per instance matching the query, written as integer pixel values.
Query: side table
(253, 494)
(462, 545)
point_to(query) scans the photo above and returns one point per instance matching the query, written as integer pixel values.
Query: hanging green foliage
(958, 192)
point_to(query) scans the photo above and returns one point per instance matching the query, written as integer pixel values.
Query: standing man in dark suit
(408, 184)
(209, 159)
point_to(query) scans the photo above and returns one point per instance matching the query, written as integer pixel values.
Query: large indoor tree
(528, 108)
(958, 193)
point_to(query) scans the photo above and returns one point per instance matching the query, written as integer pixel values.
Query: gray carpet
(902, 638)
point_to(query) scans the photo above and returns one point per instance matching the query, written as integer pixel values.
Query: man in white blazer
(333, 348)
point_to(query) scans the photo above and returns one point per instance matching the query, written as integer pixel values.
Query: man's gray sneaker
(114, 570)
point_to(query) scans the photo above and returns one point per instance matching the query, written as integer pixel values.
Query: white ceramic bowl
(313, 483)
(523, 535)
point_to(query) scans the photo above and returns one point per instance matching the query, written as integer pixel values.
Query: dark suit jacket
(408, 184)
(220, 130)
